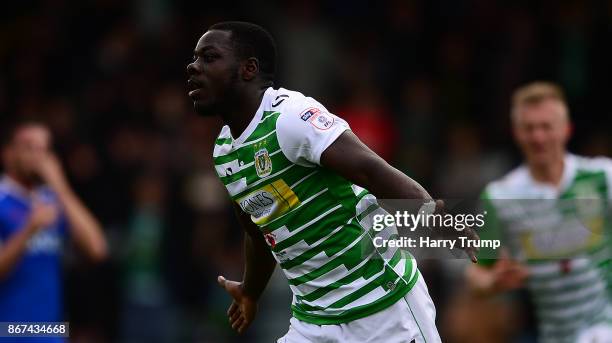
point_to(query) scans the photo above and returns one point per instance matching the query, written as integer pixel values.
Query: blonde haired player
(552, 215)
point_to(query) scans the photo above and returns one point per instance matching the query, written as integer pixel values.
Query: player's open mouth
(193, 86)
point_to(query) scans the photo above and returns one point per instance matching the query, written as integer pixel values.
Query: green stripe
(267, 125)
(223, 141)
(306, 211)
(315, 231)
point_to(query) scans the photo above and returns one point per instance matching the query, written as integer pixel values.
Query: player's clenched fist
(43, 215)
(243, 309)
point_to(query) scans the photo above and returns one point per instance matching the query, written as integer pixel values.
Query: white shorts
(411, 319)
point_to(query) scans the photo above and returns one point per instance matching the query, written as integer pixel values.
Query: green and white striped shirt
(318, 224)
(563, 237)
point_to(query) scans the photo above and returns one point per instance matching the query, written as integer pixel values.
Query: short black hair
(251, 40)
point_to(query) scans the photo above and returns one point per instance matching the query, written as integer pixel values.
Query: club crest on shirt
(263, 163)
(319, 119)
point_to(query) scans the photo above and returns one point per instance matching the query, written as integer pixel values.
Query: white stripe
(364, 203)
(222, 150)
(222, 169)
(357, 189)
(225, 132)
(552, 298)
(570, 312)
(400, 268)
(257, 140)
(556, 283)
(367, 222)
(304, 178)
(367, 298)
(548, 327)
(283, 233)
(237, 186)
(344, 290)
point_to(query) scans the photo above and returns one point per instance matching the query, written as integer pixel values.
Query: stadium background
(425, 83)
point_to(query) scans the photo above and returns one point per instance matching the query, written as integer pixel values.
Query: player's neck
(20, 182)
(550, 173)
(239, 116)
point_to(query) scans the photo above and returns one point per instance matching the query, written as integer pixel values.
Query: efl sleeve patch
(317, 118)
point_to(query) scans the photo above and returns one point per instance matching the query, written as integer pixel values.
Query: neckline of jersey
(17, 190)
(569, 172)
(254, 122)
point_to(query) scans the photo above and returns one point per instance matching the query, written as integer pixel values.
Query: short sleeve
(305, 130)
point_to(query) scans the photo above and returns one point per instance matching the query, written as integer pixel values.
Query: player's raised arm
(85, 229)
(258, 267)
(354, 161)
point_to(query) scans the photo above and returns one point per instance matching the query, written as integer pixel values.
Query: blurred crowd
(424, 83)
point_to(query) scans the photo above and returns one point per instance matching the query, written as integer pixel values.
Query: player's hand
(508, 274)
(50, 170)
(452, 233)
(42, 215)
(243, 309)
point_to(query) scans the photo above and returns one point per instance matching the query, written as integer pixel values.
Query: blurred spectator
(38, 210)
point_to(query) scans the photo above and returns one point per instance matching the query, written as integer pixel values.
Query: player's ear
(250, 69)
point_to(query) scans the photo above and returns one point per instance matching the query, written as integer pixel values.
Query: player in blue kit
(38, 210)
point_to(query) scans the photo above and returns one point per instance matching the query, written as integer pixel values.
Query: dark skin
(222, 84)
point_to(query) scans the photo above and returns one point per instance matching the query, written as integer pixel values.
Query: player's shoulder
(7, 191)
(509, 186)
(290, 103)
(297, 111)
(592, 164)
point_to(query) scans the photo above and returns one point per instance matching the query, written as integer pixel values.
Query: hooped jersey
(319, 226)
